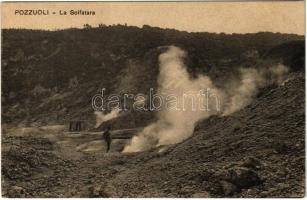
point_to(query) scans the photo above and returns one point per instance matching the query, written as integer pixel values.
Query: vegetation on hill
(51, 76)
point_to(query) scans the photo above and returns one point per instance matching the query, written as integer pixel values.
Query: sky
(227, 17)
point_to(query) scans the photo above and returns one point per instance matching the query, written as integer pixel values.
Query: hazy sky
(228, 17)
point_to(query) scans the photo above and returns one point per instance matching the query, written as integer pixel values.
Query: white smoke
(176, 120)
(176, 125)
(251, 80)
(101, 117)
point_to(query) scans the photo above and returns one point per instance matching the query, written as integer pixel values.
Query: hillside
(50, 77)
(257, 152)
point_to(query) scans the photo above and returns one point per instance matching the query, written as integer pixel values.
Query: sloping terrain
(258, 151)
(50, 77)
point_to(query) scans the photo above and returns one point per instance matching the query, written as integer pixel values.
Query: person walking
(107, 137)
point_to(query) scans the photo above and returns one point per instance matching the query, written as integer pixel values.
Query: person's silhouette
(107, 137)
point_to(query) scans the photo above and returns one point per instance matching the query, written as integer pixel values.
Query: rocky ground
(256, 152)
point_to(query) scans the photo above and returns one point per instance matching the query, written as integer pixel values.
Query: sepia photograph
(153, 99)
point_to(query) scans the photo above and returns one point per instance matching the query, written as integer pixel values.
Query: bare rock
(203, 194)
(243, 177)
(252, 162)
(97, 191)
(16, 192)
(228, 188)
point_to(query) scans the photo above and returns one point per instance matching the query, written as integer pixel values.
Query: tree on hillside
(87, 26)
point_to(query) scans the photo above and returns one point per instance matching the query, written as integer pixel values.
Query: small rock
(16, 192)
(187, 189)
(264, 194)
(243, 177)
(97, 191)
(251, 162)
(228, 188)
(89, 181)
(203, 194)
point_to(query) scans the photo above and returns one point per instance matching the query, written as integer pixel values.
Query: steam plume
(251, 80)
(101, 117)
(175, 122)
(176, 125)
